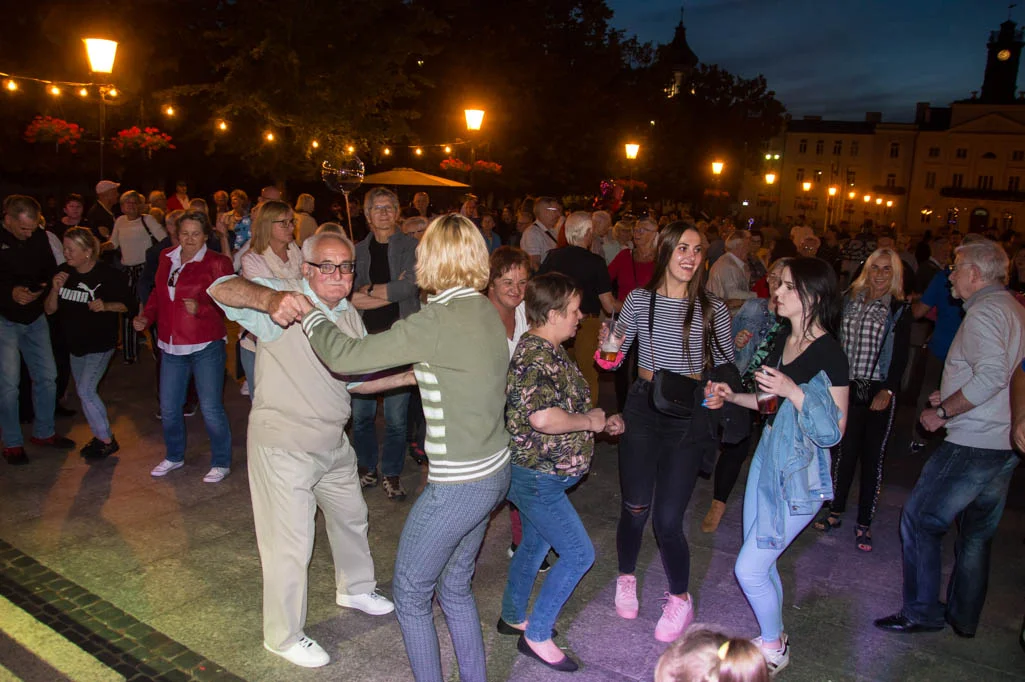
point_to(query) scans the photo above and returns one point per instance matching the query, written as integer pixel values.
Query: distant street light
(851, 195)
(717, 167)
(631, 149)
(770, 178)
(806, 186)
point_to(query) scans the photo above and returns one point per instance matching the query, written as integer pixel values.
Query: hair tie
(723, 650)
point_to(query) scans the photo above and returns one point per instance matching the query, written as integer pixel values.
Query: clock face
(1004, 55)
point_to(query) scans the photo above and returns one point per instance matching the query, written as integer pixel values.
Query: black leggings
(657, 470)
(865, 438)
(727, 469)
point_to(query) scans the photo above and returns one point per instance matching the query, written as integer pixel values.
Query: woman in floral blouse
(548, 412)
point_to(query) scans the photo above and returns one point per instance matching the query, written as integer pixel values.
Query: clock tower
(1001, 80)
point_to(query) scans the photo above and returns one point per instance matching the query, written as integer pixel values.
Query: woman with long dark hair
(805, 377)
(680, 328)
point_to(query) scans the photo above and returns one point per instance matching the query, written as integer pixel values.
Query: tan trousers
(287, 487)
(584, 346)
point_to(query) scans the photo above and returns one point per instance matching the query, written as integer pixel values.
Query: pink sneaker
(626, 596)
(677, 614)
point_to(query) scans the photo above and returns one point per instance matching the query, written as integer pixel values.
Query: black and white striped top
(668, 332)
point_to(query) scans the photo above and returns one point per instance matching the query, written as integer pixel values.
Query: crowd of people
(721, 340)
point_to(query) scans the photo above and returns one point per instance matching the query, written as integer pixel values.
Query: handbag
(671, 394)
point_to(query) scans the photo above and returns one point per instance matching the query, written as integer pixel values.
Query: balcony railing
(982, 194)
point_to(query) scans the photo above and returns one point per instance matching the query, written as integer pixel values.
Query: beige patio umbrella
(410, 177)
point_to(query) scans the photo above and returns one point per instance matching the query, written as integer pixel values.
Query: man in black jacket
(27, 267)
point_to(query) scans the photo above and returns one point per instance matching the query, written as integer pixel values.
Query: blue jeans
(88, 370)
(549, 521)
(32, 341)
(364, 433)
(756, 569)
(207, 365)
(248, 359)
(437, 552)
(963, 484)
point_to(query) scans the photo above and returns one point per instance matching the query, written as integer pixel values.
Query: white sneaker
(305, 653)
(216, 474)
(775, 659)
(165, 467)
(371, 603)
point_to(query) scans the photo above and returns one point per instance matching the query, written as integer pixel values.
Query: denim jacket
(755, 317)
(795, 475)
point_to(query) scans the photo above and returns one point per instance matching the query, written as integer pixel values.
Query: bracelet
(370, 291)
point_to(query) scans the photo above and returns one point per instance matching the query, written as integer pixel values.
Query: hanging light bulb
(418, 151)
(315, 144)
(222, 125)
(448, 149)
(169, 110)
(54, 90)
(387, 151)
(83, 92)
(11, 85)
(269, 136)
(112, 92)
(350, 149)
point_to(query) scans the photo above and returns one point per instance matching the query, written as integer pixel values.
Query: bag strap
(651, 333)
(153, 240)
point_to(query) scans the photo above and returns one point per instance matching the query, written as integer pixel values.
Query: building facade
(962, 165)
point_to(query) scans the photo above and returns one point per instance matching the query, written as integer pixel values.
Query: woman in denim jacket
(789, 479)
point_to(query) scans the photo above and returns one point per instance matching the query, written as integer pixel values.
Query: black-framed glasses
(173, 279)
(286, 221)
(346, 267)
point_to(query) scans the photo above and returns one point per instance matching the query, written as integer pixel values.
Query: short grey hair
(310, 244)
(543, 203)
(601, 218)
(988, 257)
(578, 226)
(132, 194)
(737, 238)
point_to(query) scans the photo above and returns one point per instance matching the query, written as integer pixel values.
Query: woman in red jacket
(191, 335)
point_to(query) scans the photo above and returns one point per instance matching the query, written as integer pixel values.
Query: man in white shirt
(730, 278)
(542, 236)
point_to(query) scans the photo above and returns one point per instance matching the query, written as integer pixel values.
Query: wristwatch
(942, 413)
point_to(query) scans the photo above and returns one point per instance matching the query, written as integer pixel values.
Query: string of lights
(13, 83)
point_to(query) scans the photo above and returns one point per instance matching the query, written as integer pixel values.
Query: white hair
(578, 226)
(310, 244)
(736, 239)
(988, 256)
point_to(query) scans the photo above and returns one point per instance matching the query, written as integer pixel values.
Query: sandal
(863, 538)
(827, 521)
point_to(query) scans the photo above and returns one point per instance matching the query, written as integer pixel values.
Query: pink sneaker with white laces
(677, 614)
(626, 597)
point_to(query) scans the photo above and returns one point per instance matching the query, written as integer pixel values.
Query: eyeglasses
(290, 221)
(346, 267)
(383, 209)
(173, 279)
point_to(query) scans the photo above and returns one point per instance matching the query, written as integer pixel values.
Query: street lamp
(717, 167)
(631, 150)
(806, 186)
(101, 54)
(474, 119)
(770, 180)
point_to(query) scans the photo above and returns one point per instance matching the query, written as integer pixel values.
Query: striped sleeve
(722, 344)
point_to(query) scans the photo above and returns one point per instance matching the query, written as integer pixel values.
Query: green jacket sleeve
(411, 340)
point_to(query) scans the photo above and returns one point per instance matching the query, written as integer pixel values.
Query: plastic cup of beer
(609, 350)
(768, 403)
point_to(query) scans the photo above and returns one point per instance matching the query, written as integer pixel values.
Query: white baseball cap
(106, 185)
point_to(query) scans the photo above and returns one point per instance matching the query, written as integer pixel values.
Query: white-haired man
(730, 277)
(543, 235)
(299, 456)
(967, 478)
(590, 273)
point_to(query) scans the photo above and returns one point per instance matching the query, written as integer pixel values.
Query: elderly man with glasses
(385, 292)
(299, 456)
(543, 235)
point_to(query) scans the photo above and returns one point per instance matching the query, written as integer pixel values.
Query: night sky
(836, 58)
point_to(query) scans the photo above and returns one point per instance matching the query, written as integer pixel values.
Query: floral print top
(542, 376)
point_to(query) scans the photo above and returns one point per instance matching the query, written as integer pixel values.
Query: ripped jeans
(657, 472)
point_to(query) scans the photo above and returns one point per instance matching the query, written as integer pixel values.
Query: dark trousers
(865, 439)
(624, 377)
(727, 469)
(657, 471)
(61, 358)
(130, 337)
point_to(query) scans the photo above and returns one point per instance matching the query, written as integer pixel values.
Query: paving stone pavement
(106, 573)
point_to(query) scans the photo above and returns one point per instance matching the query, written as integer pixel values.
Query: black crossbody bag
(671, 394)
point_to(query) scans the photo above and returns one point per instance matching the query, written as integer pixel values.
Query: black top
(26, 263)
(784, 249)
(824, 353)
(98, 217)
(380, 319)
(587, 269)
(84, 331)
(59, 228)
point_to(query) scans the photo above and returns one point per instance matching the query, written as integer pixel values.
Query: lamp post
(474, 119)
(770, 180)
(831, 192)
(101, 54)
(717, 168)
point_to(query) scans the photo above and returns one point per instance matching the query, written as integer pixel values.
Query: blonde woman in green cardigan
(457, 346)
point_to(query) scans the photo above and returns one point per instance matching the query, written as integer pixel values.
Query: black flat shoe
(566, 665)
(898, 622)
(506, 629)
